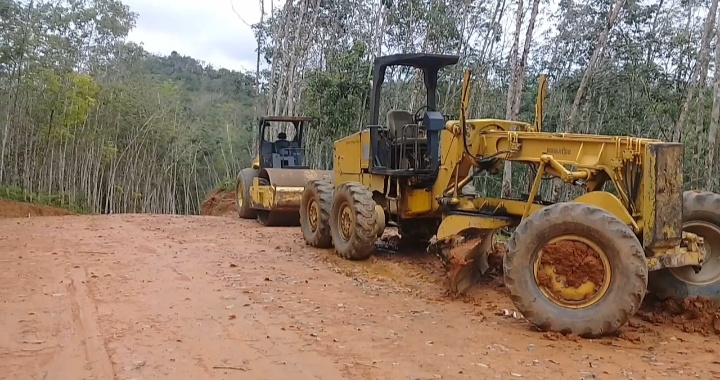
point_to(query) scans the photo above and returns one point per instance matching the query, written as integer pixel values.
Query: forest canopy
(100, 121)
(97, 119)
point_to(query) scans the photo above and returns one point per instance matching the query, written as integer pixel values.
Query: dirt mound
(691, 315)
(13, 209)
(218, 203)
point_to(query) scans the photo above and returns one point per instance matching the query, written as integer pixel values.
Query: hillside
(89, 116)
(107, 124)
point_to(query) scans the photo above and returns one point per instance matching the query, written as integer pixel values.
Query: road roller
(271, 189)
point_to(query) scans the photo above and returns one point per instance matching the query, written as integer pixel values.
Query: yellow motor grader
(270, 190)
(581, 267)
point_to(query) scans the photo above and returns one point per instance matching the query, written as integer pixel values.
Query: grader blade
(465, 256)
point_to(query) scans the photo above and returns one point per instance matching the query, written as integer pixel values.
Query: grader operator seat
(396, 122)
(407, 147)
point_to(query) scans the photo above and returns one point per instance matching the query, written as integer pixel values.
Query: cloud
(207, 30)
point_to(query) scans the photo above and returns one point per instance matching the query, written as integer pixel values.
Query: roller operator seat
(281, 143)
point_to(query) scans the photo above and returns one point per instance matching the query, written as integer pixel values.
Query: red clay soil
(13, 209)
(218, 203)
(575, 261)
(691, 315)
(130, 297)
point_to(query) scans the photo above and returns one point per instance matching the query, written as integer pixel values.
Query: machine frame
(271, 189)
(646, 228)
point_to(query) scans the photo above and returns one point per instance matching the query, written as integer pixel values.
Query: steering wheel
(417, 117)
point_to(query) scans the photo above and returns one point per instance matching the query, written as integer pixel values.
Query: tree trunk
(558, 184)
(514, 80)
(711, 177)
(703, 54)
(599, 47)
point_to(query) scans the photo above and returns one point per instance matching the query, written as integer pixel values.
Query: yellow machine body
(271, 189)
(280, 190)
(646, 173)
(627, 221)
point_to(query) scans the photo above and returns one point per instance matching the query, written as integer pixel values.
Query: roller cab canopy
(280, 141)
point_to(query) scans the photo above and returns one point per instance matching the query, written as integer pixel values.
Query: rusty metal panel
(663, 187)
(287, 198)
(294, 177)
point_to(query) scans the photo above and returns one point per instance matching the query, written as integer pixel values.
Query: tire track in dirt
(203, 337)
(204, 297)
(85, 316)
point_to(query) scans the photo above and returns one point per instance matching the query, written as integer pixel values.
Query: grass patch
(228, 184)
(78, 206)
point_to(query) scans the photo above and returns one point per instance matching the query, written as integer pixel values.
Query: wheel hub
(572, 271)
(313, 215)
(347, 222)
(710, 271)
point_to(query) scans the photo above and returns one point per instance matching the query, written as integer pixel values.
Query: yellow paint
(568, 292)
(261, 197)
(589, 160)
(609, 203)
(454, 224)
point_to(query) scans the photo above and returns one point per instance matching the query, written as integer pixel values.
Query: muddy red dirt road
(178, 297)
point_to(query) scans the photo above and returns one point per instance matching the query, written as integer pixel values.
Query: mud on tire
(353, 223)
(701, 215)
(242, 192)
(625, 260)
(316, 198)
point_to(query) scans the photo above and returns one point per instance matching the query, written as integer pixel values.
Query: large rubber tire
(358, 201)
(316, 199)
(625, 259)
(242, 193)
(701, 215)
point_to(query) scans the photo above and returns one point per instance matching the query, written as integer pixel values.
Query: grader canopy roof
(430, 64)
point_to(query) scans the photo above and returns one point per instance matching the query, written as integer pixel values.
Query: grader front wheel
(315, 208)
(575, 268)
(353, 222)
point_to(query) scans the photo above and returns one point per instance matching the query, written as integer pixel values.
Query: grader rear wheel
(701, 216)
(315, 207)
(242, 193)
(575, 268)
(353, 222)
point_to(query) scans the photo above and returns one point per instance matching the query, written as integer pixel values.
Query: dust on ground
(218, 203)
(13, 209)
(201, 297)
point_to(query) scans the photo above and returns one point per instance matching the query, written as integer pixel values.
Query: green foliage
(90, 115)
(78, 206)
(338, 99)
(227, 184)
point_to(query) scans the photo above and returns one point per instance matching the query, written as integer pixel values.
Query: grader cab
(581, 266)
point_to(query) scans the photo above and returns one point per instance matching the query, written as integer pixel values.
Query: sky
(207, 30)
